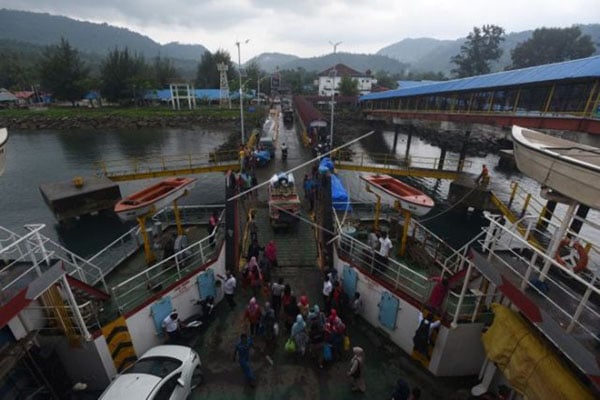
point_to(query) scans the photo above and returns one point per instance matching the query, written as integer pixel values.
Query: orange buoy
(583, 255)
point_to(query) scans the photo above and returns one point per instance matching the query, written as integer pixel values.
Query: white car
(163, 373)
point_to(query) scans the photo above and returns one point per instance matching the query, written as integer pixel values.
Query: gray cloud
(305, 27)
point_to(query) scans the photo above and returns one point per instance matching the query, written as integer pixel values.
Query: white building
(331, 78)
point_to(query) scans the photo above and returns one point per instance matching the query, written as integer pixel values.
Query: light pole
(258, 87)
(241, 90)
(335, 45)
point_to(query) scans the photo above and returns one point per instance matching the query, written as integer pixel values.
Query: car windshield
(158, 366)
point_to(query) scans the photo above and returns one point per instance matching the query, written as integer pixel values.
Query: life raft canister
(583, 255)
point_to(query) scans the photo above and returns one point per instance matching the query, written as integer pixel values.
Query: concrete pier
(80, 196)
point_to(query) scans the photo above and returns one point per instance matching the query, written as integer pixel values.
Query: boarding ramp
(159, 166)
(385, 163)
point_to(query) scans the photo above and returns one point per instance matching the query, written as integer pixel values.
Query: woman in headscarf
(303, 305)
(299, 334)
(357, 370)
(256, 277)
(336, 330)
(252, 315)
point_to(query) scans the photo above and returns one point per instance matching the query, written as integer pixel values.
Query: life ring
(582, 260)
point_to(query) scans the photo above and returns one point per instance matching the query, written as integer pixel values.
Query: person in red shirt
(438, 294)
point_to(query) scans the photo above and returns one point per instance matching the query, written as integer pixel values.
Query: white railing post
(581, 305)
(76, 312)
(462, 294)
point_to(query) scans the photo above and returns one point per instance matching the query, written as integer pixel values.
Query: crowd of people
(274, 310)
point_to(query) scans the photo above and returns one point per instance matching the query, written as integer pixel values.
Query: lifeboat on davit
(392, 190)
(153, 198)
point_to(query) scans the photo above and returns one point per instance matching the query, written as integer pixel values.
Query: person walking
(484, 177)
(229, 289)
(327, 289)
(267, 323)
(385, 247)
(271, 253)
(356, 307)
(438, 293)
(421, 340)
(252, 315)
(242, 351)
(357, 370)
(299, 334)
(212, 227)
(276, 294)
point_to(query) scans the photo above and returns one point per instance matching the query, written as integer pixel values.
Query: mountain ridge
(97, 39)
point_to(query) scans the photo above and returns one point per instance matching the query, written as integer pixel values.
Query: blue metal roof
(582, 68)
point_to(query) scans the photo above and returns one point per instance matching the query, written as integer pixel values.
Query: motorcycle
(188, 327)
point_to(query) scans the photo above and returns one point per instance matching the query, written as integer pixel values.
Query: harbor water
(44, 156)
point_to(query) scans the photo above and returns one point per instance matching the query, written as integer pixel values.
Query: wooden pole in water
(395, 138)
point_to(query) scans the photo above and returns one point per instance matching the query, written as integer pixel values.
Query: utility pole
(241, 89)
(335, 45)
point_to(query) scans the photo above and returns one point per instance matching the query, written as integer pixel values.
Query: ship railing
(568, 298)
(401, 276)
(27, 257)
(412, 278)
(135, 290)
(130, 242)
(392, 161)
(158, 163)
(63, 318)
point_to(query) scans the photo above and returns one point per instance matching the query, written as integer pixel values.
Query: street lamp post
(258, 88)
(335, 45)
(241, 89)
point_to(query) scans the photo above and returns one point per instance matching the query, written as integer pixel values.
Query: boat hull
(549, 165)
(127, 210)
(393, 191)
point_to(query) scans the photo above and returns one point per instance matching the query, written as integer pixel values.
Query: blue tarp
(339, 196)
(263, 157)
(582, 68)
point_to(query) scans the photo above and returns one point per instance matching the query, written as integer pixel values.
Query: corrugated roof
(582, 68)
(306, 111)
(5, 95)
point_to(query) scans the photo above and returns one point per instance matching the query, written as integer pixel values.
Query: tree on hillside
(387, 80)
(481, 47)
(299, 80)
(63, 73)
(163, 72)
(124, 76)
(348, 86)
(550, 45)
(15, 73)
(207, 75)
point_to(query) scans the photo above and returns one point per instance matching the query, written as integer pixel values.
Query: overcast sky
(305, 27)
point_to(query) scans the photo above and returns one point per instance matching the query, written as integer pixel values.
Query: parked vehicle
(284, 202)
(163, 372)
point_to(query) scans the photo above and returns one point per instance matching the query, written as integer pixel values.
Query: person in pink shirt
(271, 253)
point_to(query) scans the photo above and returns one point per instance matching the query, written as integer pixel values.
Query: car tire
(197, 378)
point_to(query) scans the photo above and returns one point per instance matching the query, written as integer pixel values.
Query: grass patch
(127, 112)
